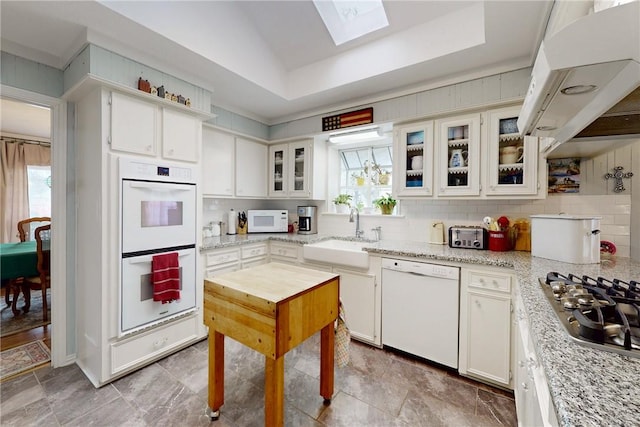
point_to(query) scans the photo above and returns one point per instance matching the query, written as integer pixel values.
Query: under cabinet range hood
(582, 73)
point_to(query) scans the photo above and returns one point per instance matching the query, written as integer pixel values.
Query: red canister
(499, 241)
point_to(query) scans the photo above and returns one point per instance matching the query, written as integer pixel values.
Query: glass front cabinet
(458, 156)
(414, 145)
(289, 169)
(512, 159)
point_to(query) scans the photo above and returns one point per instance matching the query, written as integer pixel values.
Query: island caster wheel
(213, 415)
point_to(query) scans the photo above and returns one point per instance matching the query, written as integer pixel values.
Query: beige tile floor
(378, 388)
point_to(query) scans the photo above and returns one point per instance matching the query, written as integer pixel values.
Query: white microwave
(267, 221)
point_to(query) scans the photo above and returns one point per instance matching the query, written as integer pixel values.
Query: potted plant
(342, 202)
(359, 177)
(386, 203)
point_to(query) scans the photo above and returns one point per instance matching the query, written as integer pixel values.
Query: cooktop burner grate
(600, 313)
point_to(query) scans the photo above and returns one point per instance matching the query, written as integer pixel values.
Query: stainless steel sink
(336, 251)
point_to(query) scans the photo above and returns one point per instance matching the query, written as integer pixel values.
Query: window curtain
(15, 156)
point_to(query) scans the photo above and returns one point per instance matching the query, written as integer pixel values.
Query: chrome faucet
(359, 232)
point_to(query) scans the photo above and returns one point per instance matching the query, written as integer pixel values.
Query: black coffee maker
(307, 219)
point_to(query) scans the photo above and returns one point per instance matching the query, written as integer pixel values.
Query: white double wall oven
(157, 216)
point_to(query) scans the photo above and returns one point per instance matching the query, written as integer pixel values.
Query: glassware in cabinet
(513, 159)
(458, 159)
(299, 168)
(277, 166)
(414, 148)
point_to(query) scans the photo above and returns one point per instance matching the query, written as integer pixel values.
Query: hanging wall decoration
(345, 120)
(564, 175)
(618, 175)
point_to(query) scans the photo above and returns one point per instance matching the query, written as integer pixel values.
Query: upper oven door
(157, 215)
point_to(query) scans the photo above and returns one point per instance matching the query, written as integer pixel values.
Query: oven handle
(148, 258)
(156, 186)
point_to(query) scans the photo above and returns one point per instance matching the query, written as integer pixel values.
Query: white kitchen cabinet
(253, 255)
(531, 391)
(358, 295)
(134, 125)
(458, 156)
(134, 352)
(278, 170)
(218, 158)
(361, 296)
(512, 160)
(291, 169)
(220, 261)
(285, 253)
(109, 122)
(413, 166)
(250, 168)
(140, 127)
(485, 325)
(317, 266)
(478, 155)
(181, 136)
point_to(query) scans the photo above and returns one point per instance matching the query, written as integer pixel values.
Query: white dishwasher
(420, 305)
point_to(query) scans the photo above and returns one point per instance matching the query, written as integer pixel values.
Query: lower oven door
(138, 309)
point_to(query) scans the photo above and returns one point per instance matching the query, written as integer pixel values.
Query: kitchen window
(365, 174)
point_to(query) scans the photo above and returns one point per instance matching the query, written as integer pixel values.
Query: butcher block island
(270, 308)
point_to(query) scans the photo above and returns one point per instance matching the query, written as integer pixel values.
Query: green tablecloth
(18, 260)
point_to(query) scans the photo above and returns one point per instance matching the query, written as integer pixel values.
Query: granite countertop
(589, 387)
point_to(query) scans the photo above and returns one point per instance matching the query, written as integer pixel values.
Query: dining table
(17, 260)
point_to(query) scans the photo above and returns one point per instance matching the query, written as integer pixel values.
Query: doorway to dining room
(25, 146)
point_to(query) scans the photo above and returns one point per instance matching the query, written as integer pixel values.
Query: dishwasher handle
(421, 269)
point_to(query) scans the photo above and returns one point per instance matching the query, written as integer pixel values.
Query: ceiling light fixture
(361, 134)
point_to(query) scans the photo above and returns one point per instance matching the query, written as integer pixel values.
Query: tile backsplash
(416, 216)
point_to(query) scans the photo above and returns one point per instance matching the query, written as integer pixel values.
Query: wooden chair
(24, 227)
(43, 281)
(24, 234)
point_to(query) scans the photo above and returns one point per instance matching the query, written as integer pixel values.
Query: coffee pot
(307, 219)
(458, 158)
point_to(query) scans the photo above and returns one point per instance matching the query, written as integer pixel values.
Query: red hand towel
(165, 276)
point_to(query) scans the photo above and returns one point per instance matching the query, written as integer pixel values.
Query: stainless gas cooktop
(599, 313)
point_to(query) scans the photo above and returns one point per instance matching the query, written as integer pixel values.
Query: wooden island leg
(216, 373)
(327, 343)
(274, 392)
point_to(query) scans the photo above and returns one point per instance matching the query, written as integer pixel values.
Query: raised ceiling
(274, 60)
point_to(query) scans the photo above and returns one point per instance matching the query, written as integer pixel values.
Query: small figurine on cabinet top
(167, 95)
(161, 91)
(180, 99)
(187, 102)
(144, 85)
(154, 90)
(174, 98)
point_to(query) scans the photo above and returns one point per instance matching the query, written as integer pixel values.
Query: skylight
(347, 20)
